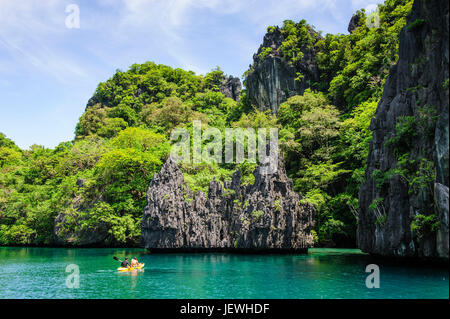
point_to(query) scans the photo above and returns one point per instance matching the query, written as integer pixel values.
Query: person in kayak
(134, 262)
(125, 263)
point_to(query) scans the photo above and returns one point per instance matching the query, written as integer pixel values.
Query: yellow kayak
(131, 268)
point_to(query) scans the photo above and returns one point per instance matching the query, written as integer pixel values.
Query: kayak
(131, 268)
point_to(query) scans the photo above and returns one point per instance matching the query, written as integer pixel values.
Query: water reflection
(133, 274)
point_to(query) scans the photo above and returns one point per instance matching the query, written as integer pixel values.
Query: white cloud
(32, 31)
(366, 4)
(171, 20)
(371, 8)
(28, 30)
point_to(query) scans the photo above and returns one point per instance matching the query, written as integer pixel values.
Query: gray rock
(264, 216)
(271, 81)
(80, 182)
(442, 206)
(416, 81)
(354, 23)
(231, 87)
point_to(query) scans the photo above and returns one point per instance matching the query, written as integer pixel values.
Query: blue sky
(48, 71)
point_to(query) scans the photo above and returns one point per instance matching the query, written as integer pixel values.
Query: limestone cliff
(408, 178)
(354, 23)
(271, 78)
(231, 87)
(264, 216)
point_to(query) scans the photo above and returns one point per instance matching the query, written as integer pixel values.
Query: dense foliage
(98, 182)
(325, 132)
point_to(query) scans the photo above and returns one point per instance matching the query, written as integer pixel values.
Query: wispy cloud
(48, 72)
(32, 32)
(369, 5)
(174, 21)
(29, 31)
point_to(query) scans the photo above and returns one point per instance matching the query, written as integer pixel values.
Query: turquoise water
(322, 273)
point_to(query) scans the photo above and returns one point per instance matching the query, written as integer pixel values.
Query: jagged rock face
(271, 81)
(354, 23)
(442, 207)
(416, 81)
(231, 87)
(266, 215)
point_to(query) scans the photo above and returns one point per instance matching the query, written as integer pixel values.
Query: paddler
(134, 262)
(125, 263)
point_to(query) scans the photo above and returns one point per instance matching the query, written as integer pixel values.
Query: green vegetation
(277, 205)
(415, 24)
(95, 182)
(445, 85)
(297, 37)
(424, 225)
(377, 207)
(325, 132)
(325, 156)
(264, 53)
(257, 214)
(98, 181)
(271, 29)
(418, 172)
(404, 133)
(352, 67)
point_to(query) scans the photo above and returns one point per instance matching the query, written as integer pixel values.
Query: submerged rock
(417, 88)
(264, 216)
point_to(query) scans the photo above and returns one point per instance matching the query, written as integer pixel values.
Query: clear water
(322, 273)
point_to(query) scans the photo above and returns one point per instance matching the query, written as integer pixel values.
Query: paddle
(115, 258)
